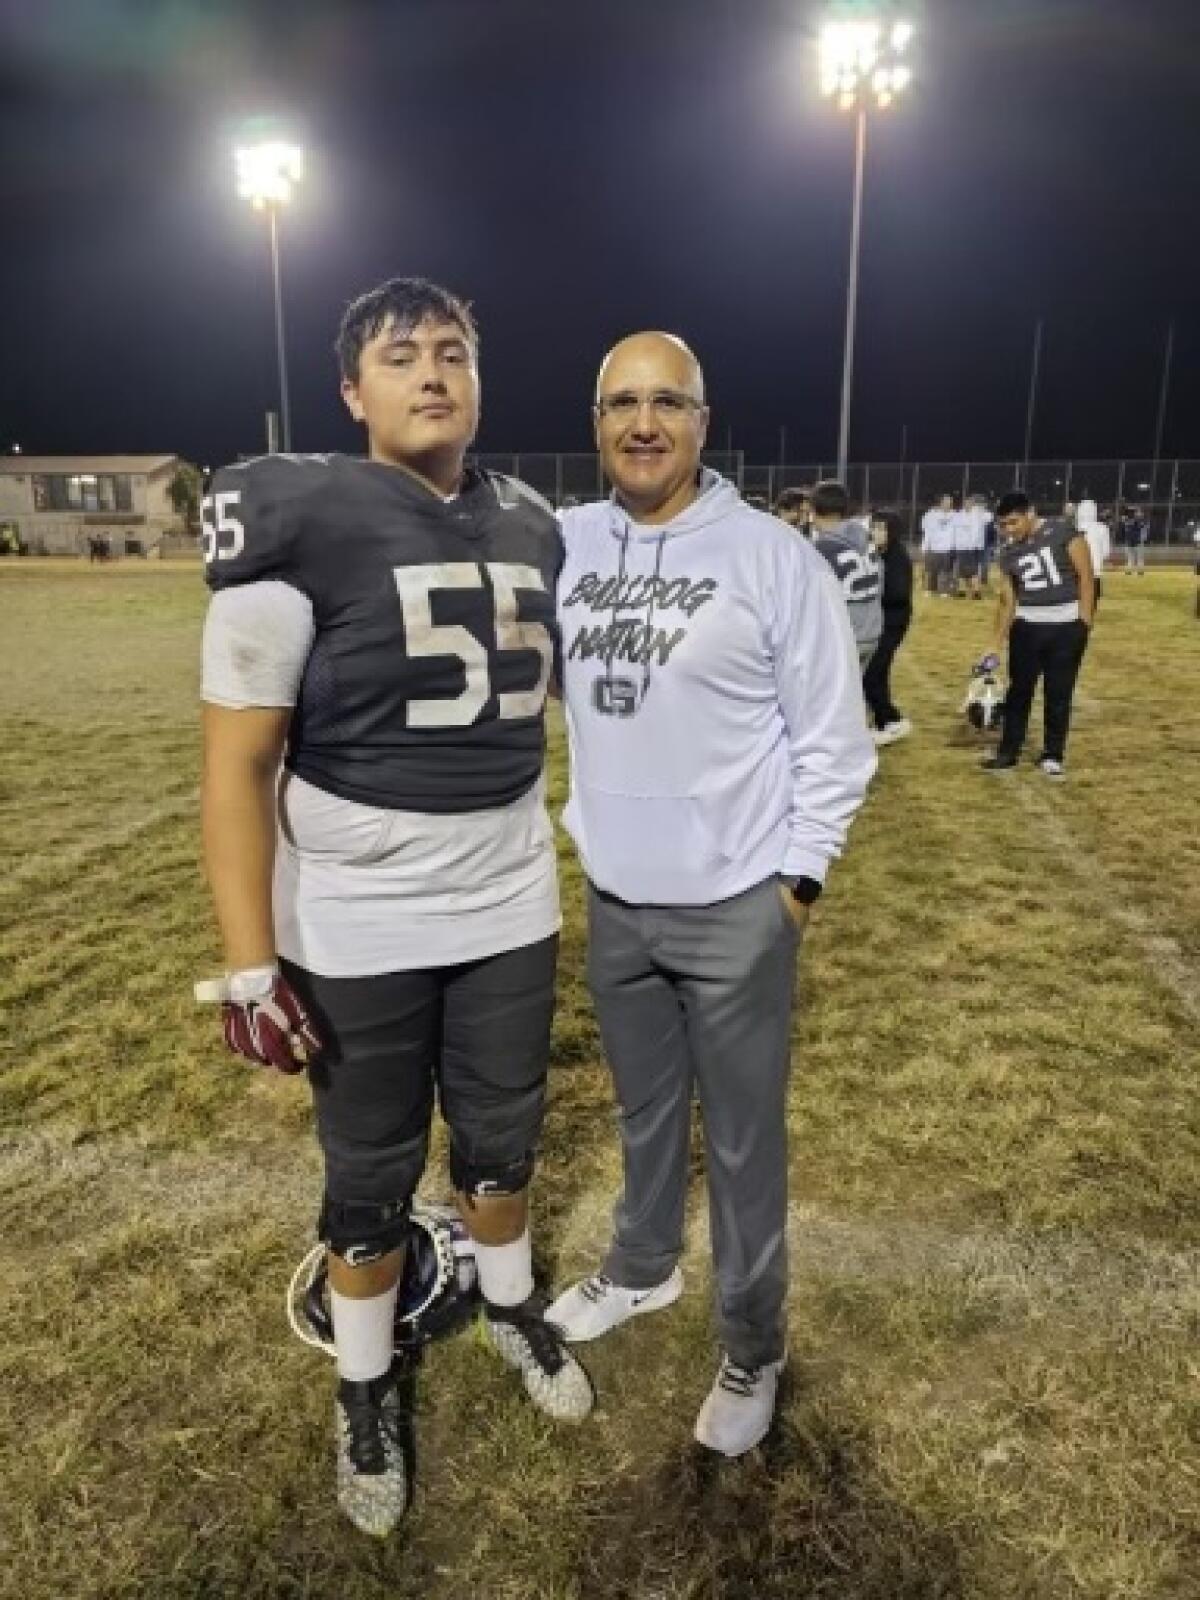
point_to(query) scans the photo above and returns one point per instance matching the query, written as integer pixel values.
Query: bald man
(718, 754)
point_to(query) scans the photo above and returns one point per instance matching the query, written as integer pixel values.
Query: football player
(376, 657)
(846, 545)
(1045, 613)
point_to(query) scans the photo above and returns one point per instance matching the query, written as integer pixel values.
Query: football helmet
(439, 1286)
(984, 704)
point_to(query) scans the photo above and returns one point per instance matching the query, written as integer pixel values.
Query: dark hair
(405, 302)
(1013, 504)
(829, 499)
(792, 499)
(893, 522)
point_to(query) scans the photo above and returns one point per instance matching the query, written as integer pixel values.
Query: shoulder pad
(511, 492)
(249, 518)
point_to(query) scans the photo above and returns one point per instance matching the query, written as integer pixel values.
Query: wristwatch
(804, 891)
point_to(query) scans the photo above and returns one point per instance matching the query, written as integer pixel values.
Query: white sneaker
(1050, 768)
(737, 1413)
(891, 731)
(598, 1305)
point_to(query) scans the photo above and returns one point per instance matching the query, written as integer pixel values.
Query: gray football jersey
(848, 550)
(1040, 567)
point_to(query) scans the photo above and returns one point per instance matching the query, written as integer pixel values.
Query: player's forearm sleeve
(257, 638)
(831, 754)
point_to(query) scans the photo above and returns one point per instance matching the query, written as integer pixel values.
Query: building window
(83, 491)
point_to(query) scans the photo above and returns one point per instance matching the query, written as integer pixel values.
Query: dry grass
(995, 1310)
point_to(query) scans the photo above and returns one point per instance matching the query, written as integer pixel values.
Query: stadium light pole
(863, 66)
(266, 175)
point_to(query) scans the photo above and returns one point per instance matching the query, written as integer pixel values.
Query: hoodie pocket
(636, 841)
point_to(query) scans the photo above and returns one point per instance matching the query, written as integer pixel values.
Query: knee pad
(481, 1179)
(360, 1232)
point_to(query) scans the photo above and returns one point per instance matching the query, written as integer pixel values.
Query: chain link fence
(1167, 491)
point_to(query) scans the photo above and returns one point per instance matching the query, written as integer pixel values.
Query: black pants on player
(476, 1036)
(1053, 652)
(877, 685)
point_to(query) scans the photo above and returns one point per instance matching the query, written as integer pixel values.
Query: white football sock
(362, 1333)
(505, 1271)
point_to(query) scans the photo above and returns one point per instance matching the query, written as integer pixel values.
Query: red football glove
(263, 1018)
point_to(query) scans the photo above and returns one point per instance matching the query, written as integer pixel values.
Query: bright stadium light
(267, 173)
(862, 65)
(864, 60)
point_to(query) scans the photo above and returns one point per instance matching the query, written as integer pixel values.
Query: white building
(56, 503)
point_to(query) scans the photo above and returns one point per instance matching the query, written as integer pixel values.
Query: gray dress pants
(702, 996)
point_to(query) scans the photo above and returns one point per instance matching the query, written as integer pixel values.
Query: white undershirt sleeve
(257, 638)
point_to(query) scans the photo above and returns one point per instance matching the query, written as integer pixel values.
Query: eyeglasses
(625, 405)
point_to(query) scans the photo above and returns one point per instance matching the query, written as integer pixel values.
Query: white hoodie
(713, 701)
(1097, 534)
(937, 532)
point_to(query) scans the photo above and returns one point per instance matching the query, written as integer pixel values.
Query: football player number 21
(425, 637)
(1039, 570)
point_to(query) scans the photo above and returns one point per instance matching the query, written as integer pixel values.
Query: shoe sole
(658, 1300)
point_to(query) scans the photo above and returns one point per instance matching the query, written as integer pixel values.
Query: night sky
(578, 171)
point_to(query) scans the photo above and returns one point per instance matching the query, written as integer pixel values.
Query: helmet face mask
(439, 1285)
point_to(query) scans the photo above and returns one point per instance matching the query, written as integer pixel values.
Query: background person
(970, 525)
(1045, 615)
(1099, 539)
(846, 545)
(991, 543)
(794, 506)
(937, 545)
(1135, 531)
(887, 537)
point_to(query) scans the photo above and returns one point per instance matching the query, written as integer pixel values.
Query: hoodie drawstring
(616, 609)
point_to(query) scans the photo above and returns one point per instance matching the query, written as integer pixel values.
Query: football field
(994, 1383)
